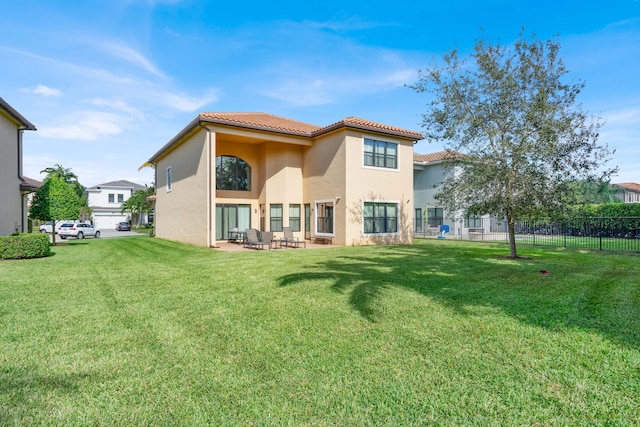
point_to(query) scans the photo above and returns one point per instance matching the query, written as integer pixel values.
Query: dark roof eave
(26, 124)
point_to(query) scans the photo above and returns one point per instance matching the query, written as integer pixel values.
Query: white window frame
(379, 168)
(398, 217)
(169, 179)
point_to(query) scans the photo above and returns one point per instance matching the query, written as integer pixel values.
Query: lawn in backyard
(143, 331)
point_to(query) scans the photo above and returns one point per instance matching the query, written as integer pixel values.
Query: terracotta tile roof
(277, 124)
(262, 121)
(359, 123)
(433, 157)
(630, 186)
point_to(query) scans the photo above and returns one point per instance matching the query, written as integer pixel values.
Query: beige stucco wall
(369, 184)
(10, 197)
(281, 167)
(334, 167)
(182, 214)
(324, 180)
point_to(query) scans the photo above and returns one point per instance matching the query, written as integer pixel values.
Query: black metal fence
(603, 233)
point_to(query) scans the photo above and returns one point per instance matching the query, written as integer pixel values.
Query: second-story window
(232, 173)
(380, 154)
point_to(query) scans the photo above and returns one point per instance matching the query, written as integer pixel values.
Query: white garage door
(105, 222)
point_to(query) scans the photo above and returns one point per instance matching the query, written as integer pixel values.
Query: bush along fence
(602, 233)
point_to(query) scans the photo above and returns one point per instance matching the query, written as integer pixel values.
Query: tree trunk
(53, 233)
(512, 234)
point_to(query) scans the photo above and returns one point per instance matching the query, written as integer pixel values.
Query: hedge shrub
(24, 246)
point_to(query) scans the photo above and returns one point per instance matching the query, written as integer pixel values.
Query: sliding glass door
(231, 217)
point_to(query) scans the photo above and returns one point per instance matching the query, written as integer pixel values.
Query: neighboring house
(350, 182)
(428, 174)
(105, 201)
(33, 185)
(629, 192)
(14, 188)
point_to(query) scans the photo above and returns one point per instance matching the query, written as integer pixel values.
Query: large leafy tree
(59, 171)
(55, 200)
(513, 119)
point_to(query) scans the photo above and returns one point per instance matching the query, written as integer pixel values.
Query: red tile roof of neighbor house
(631, 186)
(433, 157)
(30, 184)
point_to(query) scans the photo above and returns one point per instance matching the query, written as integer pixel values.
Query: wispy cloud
(43, 90)
(86, 126)
(324, 89)
(130, 55)
(185, 103)
(118, 105)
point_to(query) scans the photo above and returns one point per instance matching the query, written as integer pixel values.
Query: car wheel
(63, 237)
(43, 231)
(96, 235)
(80, 235)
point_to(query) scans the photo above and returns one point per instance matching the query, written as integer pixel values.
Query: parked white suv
(46, 227)
(80, 231)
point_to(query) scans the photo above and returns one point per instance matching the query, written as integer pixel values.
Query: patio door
(324, 218)
(231, 216)
(307, 221)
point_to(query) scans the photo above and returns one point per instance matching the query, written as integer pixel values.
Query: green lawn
(141, 331)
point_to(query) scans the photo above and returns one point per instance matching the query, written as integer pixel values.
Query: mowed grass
(142, 331)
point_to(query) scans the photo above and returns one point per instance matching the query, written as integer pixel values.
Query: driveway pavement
(107, 234)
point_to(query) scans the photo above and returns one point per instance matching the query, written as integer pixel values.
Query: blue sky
(107, 83)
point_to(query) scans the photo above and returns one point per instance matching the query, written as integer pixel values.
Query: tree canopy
(138, 204)
(55, 200)
(521, 138)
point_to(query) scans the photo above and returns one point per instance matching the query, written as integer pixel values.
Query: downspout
(211, 242)
(23, 214)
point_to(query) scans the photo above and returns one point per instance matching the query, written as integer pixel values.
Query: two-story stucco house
(105, 201)
(350, 181)
(628, 192)
(428, 174)
(14, 188)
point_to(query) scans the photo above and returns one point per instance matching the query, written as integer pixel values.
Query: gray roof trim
(26, 124)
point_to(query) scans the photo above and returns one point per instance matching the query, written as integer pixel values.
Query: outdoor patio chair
(252, 240)
(267, 237)
(290, 240)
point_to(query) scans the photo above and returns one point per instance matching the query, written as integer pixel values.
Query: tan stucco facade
(13, 201)
(324, 173)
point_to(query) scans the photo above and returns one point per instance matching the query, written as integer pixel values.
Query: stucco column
(211, 190)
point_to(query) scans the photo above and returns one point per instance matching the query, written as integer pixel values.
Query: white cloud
(185, 103)
(86, 126)
(316, 90)
(43, 90)
(132, 56)
(118, 105)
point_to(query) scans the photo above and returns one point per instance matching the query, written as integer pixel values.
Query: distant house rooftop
(120, 184)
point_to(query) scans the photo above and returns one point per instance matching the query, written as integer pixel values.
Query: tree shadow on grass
(461, 278)
(26, 390)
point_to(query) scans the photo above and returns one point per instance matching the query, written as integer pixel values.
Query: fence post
(600, 232)
(534, 233)
(564, 231)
